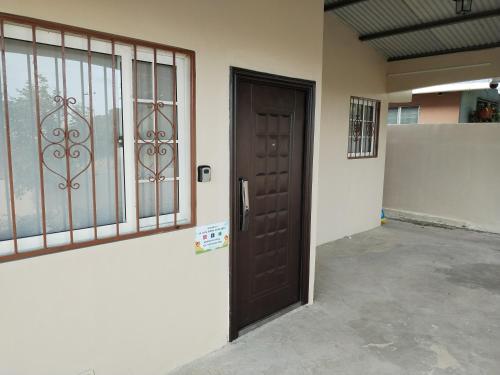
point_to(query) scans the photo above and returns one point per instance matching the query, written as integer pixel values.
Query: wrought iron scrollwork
(156, 143)
(66, 143)
(357, 130)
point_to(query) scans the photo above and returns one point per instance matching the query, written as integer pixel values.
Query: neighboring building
(473, 101)
(445, 107)
(428, 108)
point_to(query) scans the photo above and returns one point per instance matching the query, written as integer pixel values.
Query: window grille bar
(363, 125)
(359, 124)
(357, 150)
(364, 121)
(156, 138)
(351, 126)
(349, 137)
(66, 138)
(353, 119)
(91, 125)
(192, 134)
(370, 125)
(115, 135)
(357, 130)
(174, 135)
(7, 138)
(39, 131)
(136, 143)
(376, 128)
(61, 141)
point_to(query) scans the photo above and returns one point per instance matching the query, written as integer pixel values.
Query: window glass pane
(22, 116)
(5, 213)
(409, 115)
(357, 111)
(104, 128)
(147, 200)
(165, 122)
(166, 160)
(167, 197)
(369, 112)
(356, 117)
(145, 119)
(392, 116)
(156, 148)
(146, 161)
(145, 80)
(52, 121)
(165, 82)
(23, 137)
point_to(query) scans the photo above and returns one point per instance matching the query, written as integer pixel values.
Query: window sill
(81, 245)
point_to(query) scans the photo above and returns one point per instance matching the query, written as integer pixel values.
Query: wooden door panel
(270, 131)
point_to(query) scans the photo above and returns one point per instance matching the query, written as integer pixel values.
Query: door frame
(309, 87)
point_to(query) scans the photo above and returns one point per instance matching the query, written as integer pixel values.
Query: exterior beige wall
(444, 173)
(456, 67)
(147, 305)
(350, 191)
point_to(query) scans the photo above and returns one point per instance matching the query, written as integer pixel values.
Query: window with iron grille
(96, 138)
(364, 115)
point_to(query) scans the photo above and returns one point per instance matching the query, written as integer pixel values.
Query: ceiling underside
(480, 29)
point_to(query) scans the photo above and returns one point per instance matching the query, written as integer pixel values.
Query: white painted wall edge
(391, 213)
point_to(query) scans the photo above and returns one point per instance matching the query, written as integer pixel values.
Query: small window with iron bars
(364, 119)
(96, 138)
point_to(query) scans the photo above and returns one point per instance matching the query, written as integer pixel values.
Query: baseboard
(421, 218)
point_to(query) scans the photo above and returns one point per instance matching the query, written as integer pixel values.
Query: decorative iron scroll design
(63, 142)
(357, 131)
(156, 143)
(68, 154)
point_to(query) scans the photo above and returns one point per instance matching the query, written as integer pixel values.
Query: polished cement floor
(400, 299)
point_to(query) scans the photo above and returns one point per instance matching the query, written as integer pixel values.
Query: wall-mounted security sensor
(204, 173)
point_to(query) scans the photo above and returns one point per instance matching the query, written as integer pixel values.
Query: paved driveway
(400, 299)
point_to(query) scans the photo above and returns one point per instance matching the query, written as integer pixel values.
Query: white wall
(147, 305)
(350, 191)
(445, 173)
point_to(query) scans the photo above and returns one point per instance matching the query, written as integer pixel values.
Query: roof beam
(445, 52)
(341, 4)
(432, 24)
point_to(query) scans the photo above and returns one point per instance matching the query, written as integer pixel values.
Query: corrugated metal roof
(372, 16)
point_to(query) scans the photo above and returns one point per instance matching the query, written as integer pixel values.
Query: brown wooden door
(269, 126)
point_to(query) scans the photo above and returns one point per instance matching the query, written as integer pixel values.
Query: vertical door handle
(244, 204)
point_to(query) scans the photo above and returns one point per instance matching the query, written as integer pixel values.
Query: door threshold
(268, 319)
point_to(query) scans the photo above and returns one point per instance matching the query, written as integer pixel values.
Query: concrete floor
(400, 299)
